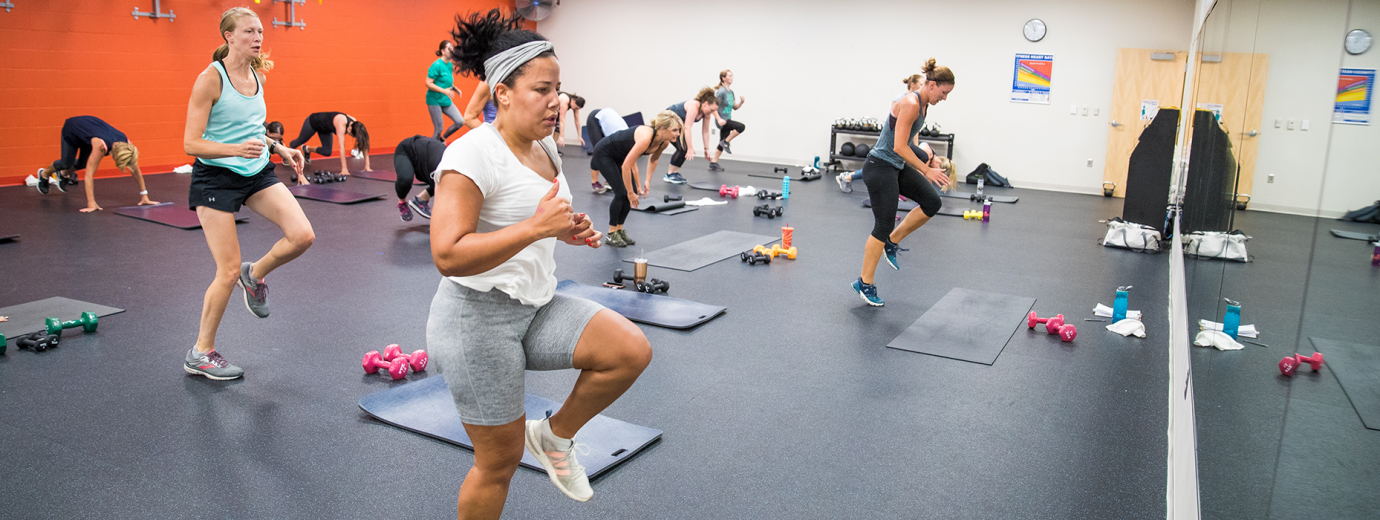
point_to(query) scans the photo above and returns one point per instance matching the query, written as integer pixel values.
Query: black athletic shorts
(223, 189)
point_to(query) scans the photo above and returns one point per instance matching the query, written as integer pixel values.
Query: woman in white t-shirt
(501, 205)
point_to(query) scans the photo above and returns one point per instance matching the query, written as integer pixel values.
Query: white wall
(801, 65)
(1352, 180)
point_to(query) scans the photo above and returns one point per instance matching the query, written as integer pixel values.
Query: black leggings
(596, 132)
(402, 164)
(72, 157)
(678, 158)
(729, 127)
(307, 132)
(884, 183)
(612, 171)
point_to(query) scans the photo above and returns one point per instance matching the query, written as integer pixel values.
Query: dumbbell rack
(946, 139)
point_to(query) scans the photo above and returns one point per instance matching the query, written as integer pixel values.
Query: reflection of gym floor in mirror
(788, 406)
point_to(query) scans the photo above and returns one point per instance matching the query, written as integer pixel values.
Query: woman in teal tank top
(893, 169)
(225, 132)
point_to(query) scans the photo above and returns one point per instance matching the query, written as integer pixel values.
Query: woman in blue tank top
(481, 108)
(225, 132)
(893, 169)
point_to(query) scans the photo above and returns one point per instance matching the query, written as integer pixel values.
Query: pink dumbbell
(1031, 320)
(417, 359)
(1288, 365)
(397, 368)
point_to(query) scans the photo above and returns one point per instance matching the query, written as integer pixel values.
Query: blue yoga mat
(426, 407)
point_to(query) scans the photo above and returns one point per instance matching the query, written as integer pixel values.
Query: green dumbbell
(87, 323)
(3, 344)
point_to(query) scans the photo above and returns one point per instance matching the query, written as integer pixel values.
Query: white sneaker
(567, 474)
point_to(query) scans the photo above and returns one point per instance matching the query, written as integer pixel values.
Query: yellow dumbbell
(972, 214)
(777, 250)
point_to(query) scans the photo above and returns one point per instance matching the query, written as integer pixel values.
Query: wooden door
(1237, 82)
(1139, 77)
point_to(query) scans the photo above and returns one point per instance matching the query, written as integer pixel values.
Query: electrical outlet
(1291, 124)
(1085, 111)
(1270, 179)
(1090, 162)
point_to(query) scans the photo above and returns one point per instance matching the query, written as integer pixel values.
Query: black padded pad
(168, 214)
(1355, 236)
(1357, 368)
(653, 309)
(336, 196)
(426, 407)
(794, 178)
(28, 317)
(907, 205)
(674, 207)
(714, 247)
(8, 237)
(382, 175)
(966, 325)
(965, 195)
(704, 186)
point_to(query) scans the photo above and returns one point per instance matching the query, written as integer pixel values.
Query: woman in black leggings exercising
(416, 157)
(616, 158)
(893, 169)
(328, 125)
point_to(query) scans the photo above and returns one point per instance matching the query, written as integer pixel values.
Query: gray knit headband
(498, 67)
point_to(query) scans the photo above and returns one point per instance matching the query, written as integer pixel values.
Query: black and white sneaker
(42, 181)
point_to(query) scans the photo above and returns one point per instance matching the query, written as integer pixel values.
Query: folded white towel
(1216, 339)
(1245, 331)
(705, 202)
(186, 168)
(1128, 327)
(1106, 312)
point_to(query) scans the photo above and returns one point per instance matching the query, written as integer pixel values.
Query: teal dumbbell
(87, 323)
(3, 344)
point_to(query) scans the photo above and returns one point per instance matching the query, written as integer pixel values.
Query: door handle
(1115, 124)
(1252, 133)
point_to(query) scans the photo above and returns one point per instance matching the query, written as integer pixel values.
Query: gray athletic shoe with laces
(559, 461)
(255, 291)
(211, 365)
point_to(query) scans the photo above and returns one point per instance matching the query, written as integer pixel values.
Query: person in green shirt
(439, 88)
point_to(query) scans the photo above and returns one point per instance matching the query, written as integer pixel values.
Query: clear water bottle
(785, 187)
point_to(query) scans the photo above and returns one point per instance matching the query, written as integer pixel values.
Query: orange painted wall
(60, 59)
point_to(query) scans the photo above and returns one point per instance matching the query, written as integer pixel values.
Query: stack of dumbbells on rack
(323, 177)
(1053, 325)
(394, 361)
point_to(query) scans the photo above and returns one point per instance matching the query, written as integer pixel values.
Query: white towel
(186, 168)
(1106, 312)
(747, 191)
(1128, 327)
(1218, 340)
(1245, 331)
(705, 202)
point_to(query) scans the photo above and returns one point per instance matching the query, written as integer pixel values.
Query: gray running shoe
(422, 208)
(598, 187)
(674, 178)
(723, 145)
(211, 365)
(255, 292)
(559, 462)
(714, 167)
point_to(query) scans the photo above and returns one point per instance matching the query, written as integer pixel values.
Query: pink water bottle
(1375, 257)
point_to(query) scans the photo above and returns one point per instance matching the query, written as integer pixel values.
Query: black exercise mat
(426, 407)
(907, 205)
(674, 207)
(714, 247)
(704, 186)
(4, 238)
(168, 214)
(1357, 368)
(1355, 236)
(382, 175)
(965, 195)
(794, 178)
(28, 317)
(966, 325)
(653, 309)
(332, 195)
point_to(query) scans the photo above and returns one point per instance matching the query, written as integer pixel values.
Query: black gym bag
(1370, 214)
(994, 179)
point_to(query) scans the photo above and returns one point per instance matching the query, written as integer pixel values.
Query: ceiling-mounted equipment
(535, 10)
(7, 5)
(156, 14)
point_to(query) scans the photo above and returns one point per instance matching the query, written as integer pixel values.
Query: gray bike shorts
(483, 341)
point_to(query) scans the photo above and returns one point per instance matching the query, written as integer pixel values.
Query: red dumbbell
(1288, 365)
(1031, 320)
(1066, 332)
(397, 368)
(724, 190)
(417, 359)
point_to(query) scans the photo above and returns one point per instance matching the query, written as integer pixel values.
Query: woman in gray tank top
(893, 169)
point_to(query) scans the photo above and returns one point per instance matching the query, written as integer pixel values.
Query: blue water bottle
(1232, 321)
(816, 162)
(785, 187)
(1119, 306)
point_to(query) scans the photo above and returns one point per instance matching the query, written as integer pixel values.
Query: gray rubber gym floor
(788, 406)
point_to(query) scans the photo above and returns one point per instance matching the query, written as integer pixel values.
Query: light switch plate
(1096, 110)
(1277, 123)
(1073, 110)
(1304, 125)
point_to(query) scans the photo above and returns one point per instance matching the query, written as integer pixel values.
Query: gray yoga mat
(382, 175)
(1357, 368)
(714, 247)
(907, 205)
(4, 238)
(966, 325)
(1355, 236)
(674, 207)
(332, 195)
(168, 214)
(28, 317)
